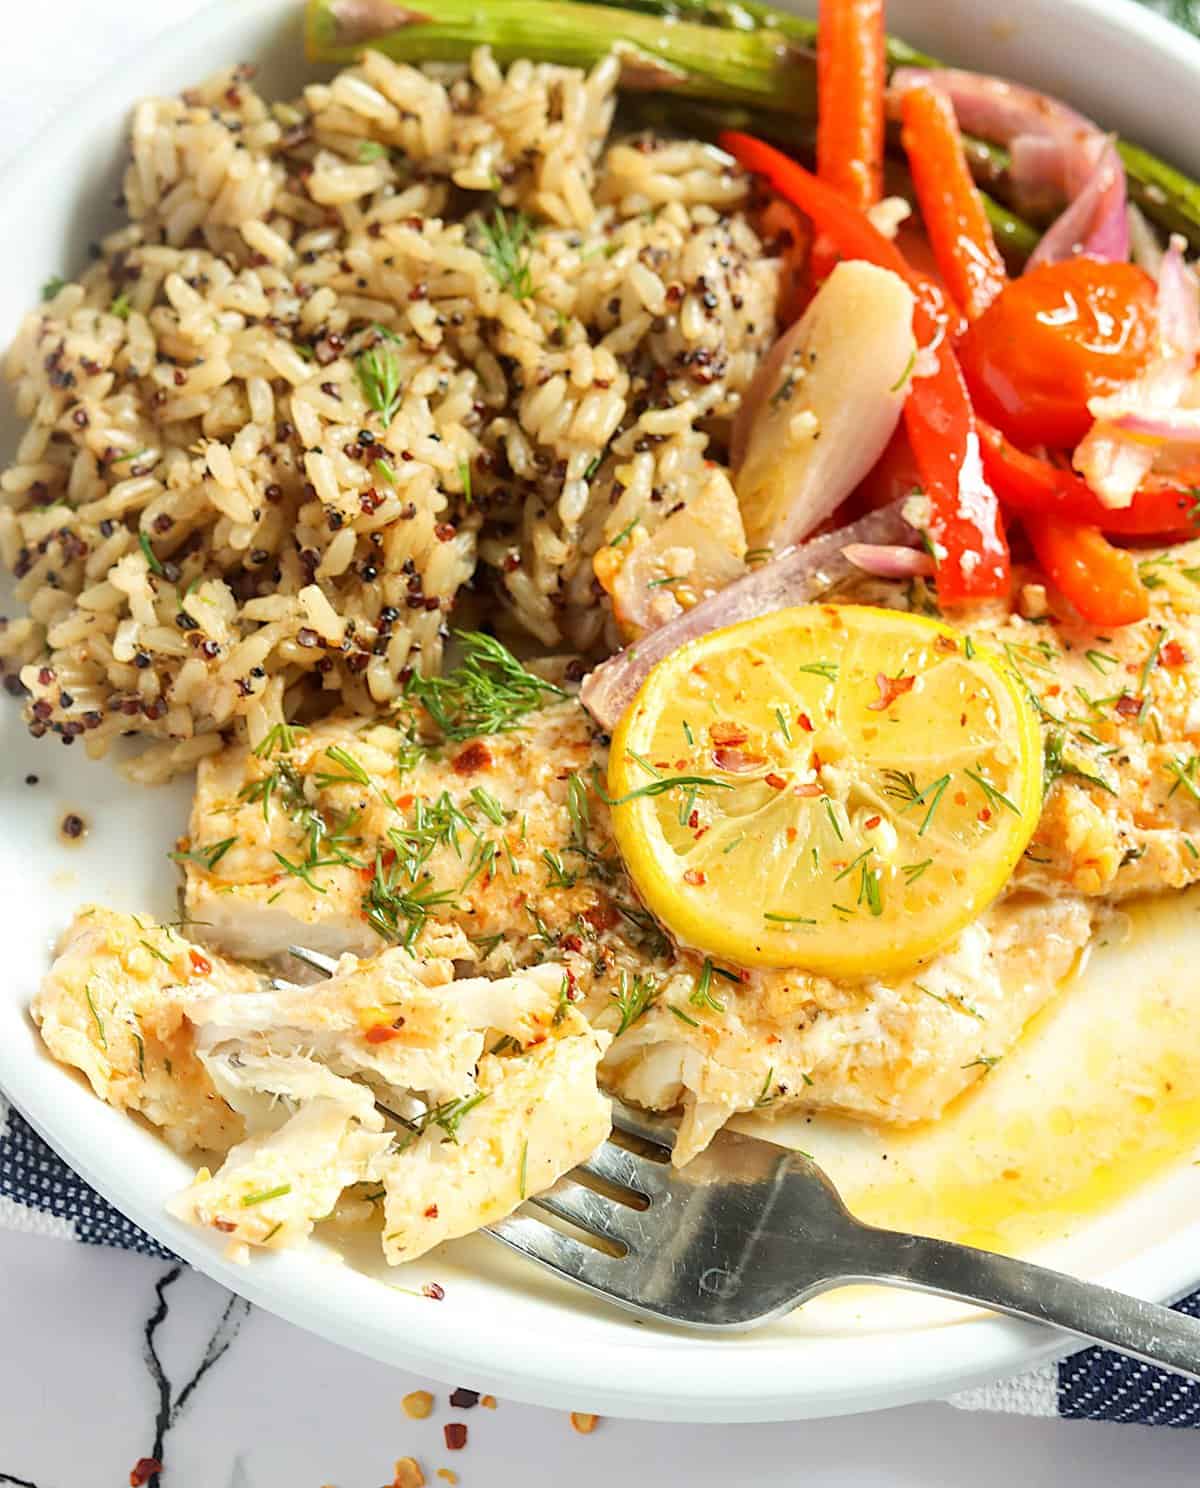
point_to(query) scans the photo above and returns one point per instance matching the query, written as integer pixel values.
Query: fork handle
(1144, 1330)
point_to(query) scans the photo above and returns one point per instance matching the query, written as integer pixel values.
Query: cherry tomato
(1055, 337)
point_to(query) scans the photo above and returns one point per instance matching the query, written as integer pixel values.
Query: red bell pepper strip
(1101, 581)
(1032, 487)
(965, 526)
(951, 207)
(851, 75)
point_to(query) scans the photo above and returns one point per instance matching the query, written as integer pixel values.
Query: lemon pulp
(833, 787)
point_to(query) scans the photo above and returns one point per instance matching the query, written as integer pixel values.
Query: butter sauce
(1100, 1097)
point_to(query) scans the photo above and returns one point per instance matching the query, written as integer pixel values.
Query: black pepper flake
(31, 780)
(185, 622)
(73, 825)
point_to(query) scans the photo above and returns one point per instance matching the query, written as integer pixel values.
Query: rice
(360, 368)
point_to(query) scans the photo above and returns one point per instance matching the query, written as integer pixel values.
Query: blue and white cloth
(41, 1195)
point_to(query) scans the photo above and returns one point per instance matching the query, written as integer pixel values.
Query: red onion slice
(888, 560)
(1119, 450)
(794, 577)
(1054, 151)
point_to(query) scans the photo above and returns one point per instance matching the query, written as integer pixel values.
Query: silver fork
(748, 1230)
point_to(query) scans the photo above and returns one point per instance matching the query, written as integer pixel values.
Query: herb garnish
(91, 1002)
(506, 244)
(633, 998)
(701, 995)
(268, 1193)
(52, 286)
(902, 786)
(378, 373)
(489, 693)
(155, 566)
(208, 857)
(449, 1116)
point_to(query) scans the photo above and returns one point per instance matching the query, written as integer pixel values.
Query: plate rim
(966, 1353)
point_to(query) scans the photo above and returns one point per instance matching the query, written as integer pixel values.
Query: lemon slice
(833, 787)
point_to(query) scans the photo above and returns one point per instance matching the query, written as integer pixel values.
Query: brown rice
(212, 529)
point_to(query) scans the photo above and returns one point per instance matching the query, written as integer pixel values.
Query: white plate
(502, 1325)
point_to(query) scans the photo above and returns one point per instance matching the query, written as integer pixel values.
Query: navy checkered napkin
(40, 1194)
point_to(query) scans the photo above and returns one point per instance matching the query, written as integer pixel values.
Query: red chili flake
(776, 782)
(985, 815)
(731, 758)
(434, 1290)
(805, 722)
(694, 820)
(1128, 706)
(872, 821)
(728, 733)
(695, 876)
(1173, 655)
(791, 834)
(571, 943)
(809, 788)
(476, 756)
(890, 688)
(601, 916)
(380, 1033)
(455, 1433)
(201, 965)
(431, 1212)
(226, 1226)
(462, 1399)
(143, 1470)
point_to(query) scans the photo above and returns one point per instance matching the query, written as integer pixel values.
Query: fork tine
(315, 959)
(626, 1169)
(569, 1257)
(644, 1124)
(591, 1211)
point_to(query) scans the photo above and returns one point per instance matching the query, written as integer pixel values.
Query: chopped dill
(489, 805)
(831, 813)
(913, 871)
(988, 1061)
(280, 738)
(91, 1002)
(633, 998)
(449, 1116)
(764, 1096)
(464, 475)
(560, 877)
(384, 471)
(701, 995)
(524, 1163)
(1184, 772)
(624, 533)
(784, 726)
(52, 286)
(120, 307)
(682, 1016)
(208, 857)
(783, 919)
(489, 693)
(993, 796)
(826, 669)
(369, 150)
(661, 786)
(506, 244)
(249, 1200)
(902, 786)
(378, 373)
(155, 952)
(151, 558)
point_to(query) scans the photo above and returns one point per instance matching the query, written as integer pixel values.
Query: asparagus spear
(763, 61)
(760, 67)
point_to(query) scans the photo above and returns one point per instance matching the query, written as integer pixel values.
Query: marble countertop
(109, 1358)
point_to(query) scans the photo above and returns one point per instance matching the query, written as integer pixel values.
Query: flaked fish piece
(115, 1005)
(488, 1084)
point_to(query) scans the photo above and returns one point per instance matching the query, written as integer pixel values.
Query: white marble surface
(279, 1409)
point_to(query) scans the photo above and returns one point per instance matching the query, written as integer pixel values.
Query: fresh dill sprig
(449, 1116)
(506, 246)
(350, 771)
(701, 995)
(208, 857)
(91, 1002)
(280, 739)
(151, 557)
(992, 794)
(249, 1200)
(901, 785)
(396, 909)
(489, 693)
(378, 373)
(661, 786)
(633, 998)
(560, 877)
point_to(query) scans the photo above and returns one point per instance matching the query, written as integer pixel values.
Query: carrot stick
(952, 209)
(851, 74)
